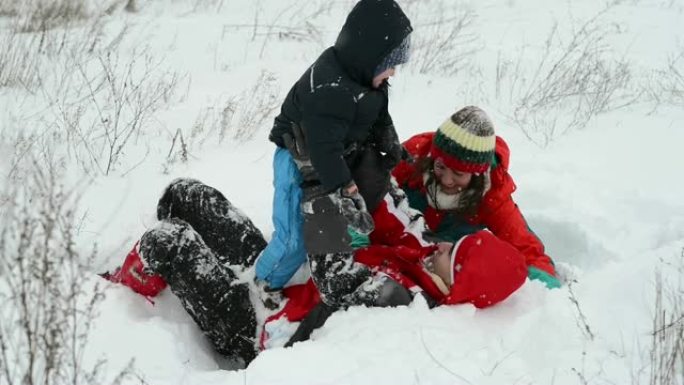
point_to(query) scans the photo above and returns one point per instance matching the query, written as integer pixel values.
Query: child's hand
(353, 207)
(547, 279)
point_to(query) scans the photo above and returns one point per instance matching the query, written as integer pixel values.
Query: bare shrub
(9, 8)
(19, 61)
(667, 338)
(27, 59)
(581, 318)
(103, 104)
(570, 82)
(131, 6)
(42, 15)
(443, 44)
(240, 116)
(178, 153)
(666, 87)
(294, 22)
(85, 91)
(255, 107)
(213, 122)
(213, 5)
(47, 311)
(76, 42)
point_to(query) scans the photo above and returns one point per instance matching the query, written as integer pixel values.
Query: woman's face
(451, 181)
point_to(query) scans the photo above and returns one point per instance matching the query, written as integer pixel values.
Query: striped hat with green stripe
(465, 142)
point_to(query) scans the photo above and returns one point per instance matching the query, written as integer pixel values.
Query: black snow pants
(199, 246)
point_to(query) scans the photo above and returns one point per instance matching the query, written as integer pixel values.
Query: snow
(605, 199)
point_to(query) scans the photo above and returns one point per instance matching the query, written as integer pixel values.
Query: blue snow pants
(285, 252)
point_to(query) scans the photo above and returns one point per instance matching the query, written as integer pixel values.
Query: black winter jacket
(334, 102)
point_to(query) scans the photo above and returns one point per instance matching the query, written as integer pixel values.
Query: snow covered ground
(605, 195)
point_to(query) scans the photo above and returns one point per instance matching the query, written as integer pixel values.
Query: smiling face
(451, 181)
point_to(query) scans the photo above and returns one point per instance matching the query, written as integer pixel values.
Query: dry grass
(666, 86)
(238, 117)
(667, 337)
(47, 311)
(570, 81)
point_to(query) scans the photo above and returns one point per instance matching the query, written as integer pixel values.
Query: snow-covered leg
(343, 282)
(224, 228)
(206, 287)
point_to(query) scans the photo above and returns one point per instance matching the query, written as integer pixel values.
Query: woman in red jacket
(459, 181)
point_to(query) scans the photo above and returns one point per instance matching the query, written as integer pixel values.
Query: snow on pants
(198, 245)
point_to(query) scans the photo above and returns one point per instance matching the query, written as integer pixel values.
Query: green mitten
(549, 280)
(358, 240)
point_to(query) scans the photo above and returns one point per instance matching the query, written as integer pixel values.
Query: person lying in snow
(204, 249)
(336, 145)
(459, 180)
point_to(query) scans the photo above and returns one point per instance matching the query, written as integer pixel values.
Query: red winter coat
(497, 212)
(488, 271)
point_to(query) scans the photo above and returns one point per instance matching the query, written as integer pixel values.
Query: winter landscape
(103, 103)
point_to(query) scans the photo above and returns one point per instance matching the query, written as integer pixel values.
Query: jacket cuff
(549, 280)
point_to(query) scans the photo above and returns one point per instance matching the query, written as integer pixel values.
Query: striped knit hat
(466, 141)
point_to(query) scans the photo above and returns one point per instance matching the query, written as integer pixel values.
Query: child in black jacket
(336, 144)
